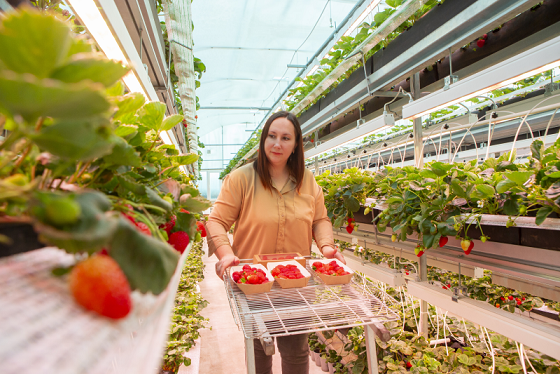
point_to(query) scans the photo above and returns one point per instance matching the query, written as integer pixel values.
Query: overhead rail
(481, 16)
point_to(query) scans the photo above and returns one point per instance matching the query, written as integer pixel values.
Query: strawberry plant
(186, 320)
(444, 200)
(83, 160)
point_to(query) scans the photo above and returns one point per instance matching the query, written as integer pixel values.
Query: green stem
(162, 182)
(23, 156)
(138, 205)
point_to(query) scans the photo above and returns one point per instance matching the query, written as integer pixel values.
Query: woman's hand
(330, 252)
(225, 262)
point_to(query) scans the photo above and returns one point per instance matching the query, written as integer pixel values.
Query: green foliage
(186, 320)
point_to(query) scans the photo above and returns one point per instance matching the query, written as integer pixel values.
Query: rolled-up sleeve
(322, 227)
(225, 212)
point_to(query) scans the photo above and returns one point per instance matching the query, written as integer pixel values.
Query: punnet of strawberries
(286, 272)
(331, 268)
(250, 275)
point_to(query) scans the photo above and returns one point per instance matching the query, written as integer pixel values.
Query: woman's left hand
(330, 252)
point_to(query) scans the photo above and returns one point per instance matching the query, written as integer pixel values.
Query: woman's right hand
(225, 262)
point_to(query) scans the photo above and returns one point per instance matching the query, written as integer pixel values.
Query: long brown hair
(296, 161)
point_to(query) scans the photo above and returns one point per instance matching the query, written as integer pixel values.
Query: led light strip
(97, 26)
(534, 61)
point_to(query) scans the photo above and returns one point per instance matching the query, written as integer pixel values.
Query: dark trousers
(294, 350)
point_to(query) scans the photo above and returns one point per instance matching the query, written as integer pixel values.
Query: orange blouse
(266, 222)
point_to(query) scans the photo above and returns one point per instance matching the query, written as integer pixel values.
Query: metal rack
(316, 307)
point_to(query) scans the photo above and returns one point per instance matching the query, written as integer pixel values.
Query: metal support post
(316, 165)
(423, 328)
(250, 356)
(371, 349)
(418, 143)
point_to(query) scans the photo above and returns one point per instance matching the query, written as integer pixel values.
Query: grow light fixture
(96, 24)
(368, 128)
(100, 31)
(534, 61)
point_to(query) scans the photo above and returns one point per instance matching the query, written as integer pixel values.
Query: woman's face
(280, 142)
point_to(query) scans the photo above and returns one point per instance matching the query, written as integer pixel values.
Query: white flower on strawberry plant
(480, 203)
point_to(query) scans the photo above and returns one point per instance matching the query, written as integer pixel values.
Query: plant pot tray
(44, 330)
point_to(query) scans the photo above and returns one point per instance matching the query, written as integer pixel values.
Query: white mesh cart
(316, 307)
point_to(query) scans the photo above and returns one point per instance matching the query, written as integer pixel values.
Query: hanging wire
(527, 357)
(491, 349)
(524, 120)
(414, 314)
(520, 353)
(437, 327)
(547, 127)
(467, 331)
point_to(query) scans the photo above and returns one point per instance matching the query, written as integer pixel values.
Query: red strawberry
(349, 229)
(143, 228)
(523, 298)
(312, 141)
(467, 245)
(179, 240)
(408, 365)
(443, 241)
(503, 298)
(129, 218)
(184, 211)
(519, 302)
(200, 227)
(510, 297)
(480, 43)
(104, 252)
(196, 117)
(99, 284)
(420, 253)
(169, 225)
(485, 36)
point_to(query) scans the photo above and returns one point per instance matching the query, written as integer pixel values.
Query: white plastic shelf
(43, 330)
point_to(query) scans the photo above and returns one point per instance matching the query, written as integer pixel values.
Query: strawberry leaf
(147, 262)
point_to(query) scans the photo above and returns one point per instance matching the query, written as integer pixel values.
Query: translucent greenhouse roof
(246, 47)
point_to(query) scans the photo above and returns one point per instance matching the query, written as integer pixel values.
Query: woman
(277, 207)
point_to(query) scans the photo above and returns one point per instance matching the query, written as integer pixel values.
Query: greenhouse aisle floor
(222, 348)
